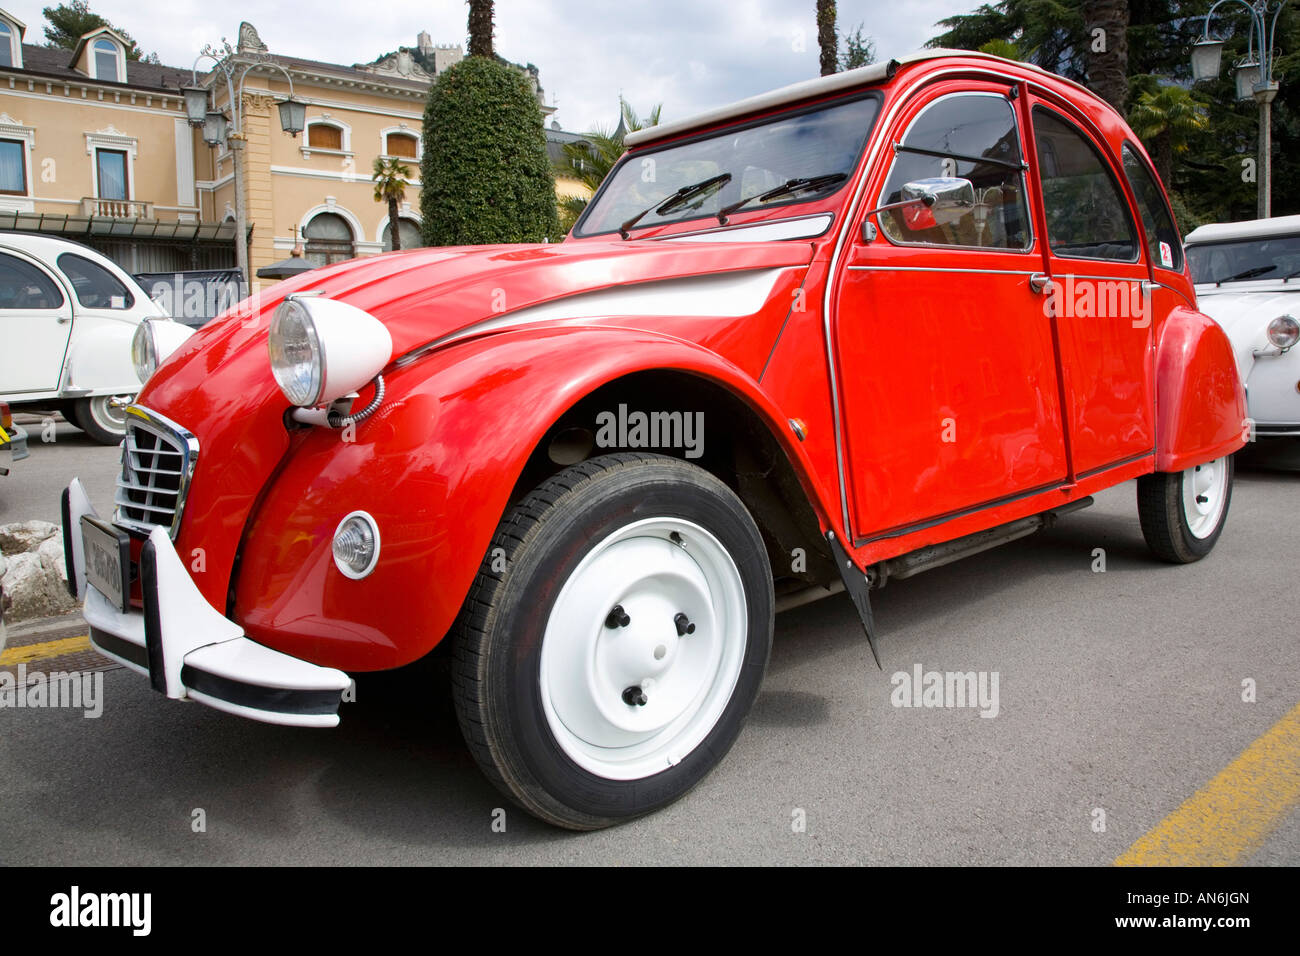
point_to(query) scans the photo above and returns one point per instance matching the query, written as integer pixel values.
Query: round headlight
(1284, 331)
(322, 349)
(144, 351)
(297, 360)
(356, 545)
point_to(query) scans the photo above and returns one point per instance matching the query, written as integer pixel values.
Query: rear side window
(1164, 245)
(1087, 214)
(95, 286)
(968, 136)
(23, 286)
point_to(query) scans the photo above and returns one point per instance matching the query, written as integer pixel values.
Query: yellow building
(108, 157)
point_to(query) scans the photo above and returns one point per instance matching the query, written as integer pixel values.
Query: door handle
(63, 319)
(1039, 281)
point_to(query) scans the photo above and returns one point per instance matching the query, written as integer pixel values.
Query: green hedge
(485, 176)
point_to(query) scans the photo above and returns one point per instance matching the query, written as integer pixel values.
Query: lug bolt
(684, 625)
(617, 618)
(1201, 499)
(635, 697)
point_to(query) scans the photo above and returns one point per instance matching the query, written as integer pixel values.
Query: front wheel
(614, 639)
(1183, 512)
(102, 417)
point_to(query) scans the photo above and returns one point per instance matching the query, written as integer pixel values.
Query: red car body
(836, 382)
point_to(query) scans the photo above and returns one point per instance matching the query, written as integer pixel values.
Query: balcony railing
(116, 208)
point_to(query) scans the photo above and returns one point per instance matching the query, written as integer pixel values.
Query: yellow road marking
(36, 652)
(1231, 816)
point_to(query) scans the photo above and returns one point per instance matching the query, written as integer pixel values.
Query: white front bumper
(188, 650)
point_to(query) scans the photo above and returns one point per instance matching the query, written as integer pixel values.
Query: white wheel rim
(1205, 490)
(654, 569)
(108, 416)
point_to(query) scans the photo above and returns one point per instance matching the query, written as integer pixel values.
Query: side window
(23, 286)
(1087, 215)
(969, 136)
(1164, 245)
(95, 286)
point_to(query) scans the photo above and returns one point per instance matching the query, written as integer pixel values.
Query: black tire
(99, 419)
(1163, 510)
(498, 638)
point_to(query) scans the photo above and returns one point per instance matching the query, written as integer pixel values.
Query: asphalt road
(1118, 691)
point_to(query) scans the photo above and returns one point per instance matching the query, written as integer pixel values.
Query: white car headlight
(321, 349)
(144, 351)
(1284, 331)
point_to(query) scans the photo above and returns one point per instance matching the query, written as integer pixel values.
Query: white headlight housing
(144, 351)
(321, 349)
(1284, 331)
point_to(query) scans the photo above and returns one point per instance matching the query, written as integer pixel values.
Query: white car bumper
(189, 651)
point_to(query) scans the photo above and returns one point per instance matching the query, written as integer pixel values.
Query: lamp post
(235, 65)
(1254, 75)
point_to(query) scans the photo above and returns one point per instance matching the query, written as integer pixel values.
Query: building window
(13, 167)
(407, 230)
(401, 144)
(110, 174)
(6, 45)
(329, 239)
(324, 136)
(108, 60)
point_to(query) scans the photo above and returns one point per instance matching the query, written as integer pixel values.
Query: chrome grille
(158, 459)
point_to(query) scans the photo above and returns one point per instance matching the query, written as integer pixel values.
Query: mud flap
(855, 582)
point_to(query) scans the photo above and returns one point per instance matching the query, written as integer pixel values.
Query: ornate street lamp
(235, 65)
(1254, 79)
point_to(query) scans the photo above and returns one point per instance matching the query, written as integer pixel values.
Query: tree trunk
(1107, 51)
(392, 224)
(480, 27)
(1163, 154)
(826, 38)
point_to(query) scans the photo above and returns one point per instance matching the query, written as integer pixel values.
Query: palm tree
(590, 159)
(827, 38)
(1108, 60)
(390, 176)
(1164, 119)
(480, 27)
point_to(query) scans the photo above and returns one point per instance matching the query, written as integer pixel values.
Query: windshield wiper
(1247, 274)
(786, 188)
(676, 200)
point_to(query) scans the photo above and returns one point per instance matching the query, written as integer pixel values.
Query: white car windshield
(795, 156)
(1277, 257)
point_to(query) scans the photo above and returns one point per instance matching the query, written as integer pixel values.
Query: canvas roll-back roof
(821, 86)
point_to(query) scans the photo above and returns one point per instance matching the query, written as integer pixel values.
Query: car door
(1099, 293)
(35, 325)
(948, 388)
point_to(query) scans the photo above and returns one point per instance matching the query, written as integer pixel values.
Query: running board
(859, 585)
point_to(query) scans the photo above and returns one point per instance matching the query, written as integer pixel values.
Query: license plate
(108, 559)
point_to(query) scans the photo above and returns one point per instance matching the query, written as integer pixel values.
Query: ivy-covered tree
(485, 176)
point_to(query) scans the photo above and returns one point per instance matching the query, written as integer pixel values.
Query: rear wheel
(102, 417)
(609, 662)
(1183, 512)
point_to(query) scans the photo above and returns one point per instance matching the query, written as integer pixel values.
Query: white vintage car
(69, 318)
(1247, 277)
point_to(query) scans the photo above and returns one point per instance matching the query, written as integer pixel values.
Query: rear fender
(1200, 402)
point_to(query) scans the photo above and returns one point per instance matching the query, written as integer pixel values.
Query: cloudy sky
(688, 55)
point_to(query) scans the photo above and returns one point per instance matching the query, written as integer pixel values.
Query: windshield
(1273, 258)
(761, 157)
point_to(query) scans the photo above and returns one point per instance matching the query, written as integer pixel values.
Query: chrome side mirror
(949, 198)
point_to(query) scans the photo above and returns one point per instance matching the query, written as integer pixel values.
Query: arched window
(324, 136)
(329, 239)
(401, 144)
(108, 60)
(6, 45)
(407, 230)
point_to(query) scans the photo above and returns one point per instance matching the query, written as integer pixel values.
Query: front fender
(99, 358)
(1200, 402)
(435, 467)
